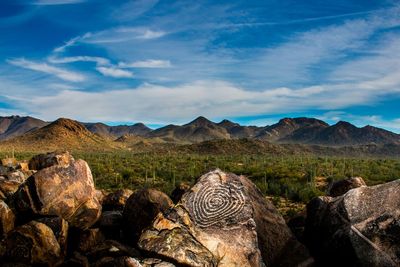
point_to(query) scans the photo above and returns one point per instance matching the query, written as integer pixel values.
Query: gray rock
(339, 188)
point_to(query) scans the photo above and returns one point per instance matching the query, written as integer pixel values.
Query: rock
(278, 245)
(297, 225)
(116, 200)
(140, 210)
(179, 191)
(67, 192)
(212, 225)
(118, 262)
(110, 223)
(110, 248)
(11, 181)
(32, 243)
(339, 188)
(9, 162)
(359, 228)
(77, 260)
(152, 262)
(7, 219)
(90, 238)
(23, 166)
(42, 161)
(100, 195)
(59, 226)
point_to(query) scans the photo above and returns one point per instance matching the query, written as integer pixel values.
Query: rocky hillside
(14, 126)
(114, 132)
(51, 214)
(60, 134)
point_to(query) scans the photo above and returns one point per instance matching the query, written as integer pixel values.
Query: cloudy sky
(161, 62)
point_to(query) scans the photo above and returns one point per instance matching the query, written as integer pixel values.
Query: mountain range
(305, 131)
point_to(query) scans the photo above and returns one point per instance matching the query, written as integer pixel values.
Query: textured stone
(116, 200)
(359, 228)
(32, 243)
(42, 161)
(179, 191)
(64, 191)
(213, 225)
(339, 188)
(140, 210)
(7, 219)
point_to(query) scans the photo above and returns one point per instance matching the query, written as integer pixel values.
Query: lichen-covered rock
(32, 243)
(42, 161)
(140, 210)
(116, 200)
(10, 182)
(64, 191)
(359, 228)
(7, 219)
(339, 188)
(213, 225)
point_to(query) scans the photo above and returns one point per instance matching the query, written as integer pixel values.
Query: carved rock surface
(359, 228)
(140, 210)
(67, 192)
(213, 225)
(32, 243)
(339, 188)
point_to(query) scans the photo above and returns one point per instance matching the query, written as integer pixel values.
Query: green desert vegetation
(294, 177)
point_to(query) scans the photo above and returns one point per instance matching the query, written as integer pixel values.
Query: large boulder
(110, 223)
(338, 188)
(140, 210)
(32, 243)
(42, 161)
(359, 228)
(212, 225)
(59, 226)
(7, 219)
(66, 191)
(10, 181)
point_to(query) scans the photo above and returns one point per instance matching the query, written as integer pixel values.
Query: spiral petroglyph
(216, 201)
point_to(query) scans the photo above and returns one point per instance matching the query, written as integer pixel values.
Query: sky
(162, 62)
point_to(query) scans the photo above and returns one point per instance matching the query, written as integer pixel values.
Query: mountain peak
(68, 124)
(200, 121)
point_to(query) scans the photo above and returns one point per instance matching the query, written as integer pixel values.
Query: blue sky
(162, 62)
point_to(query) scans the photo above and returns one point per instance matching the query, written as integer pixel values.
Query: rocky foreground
(52, 215)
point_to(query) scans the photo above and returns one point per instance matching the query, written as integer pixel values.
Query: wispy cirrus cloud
(150, 63)
(115, 72)
(63, 74)
(63, 60)
(56, 2)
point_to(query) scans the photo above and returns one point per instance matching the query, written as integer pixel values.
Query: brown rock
(339, 188)
(111, 248)
(77, 260)
(152, 262)
(110, 223)
(59, 226)
(7, 219)
(140, 210)
(100, 195)
(118, 262)
(11, 181)
(89, 239)
(23, 166)
(67, 192)
(9, 162)
(359, 228)
(42, 161)
(278, 245)
(116, 200)
(179, 191)
(32, 243)
(213, 225)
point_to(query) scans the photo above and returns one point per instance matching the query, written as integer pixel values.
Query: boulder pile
(52, 215)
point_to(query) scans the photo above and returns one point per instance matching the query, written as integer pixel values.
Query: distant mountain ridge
(306, 131)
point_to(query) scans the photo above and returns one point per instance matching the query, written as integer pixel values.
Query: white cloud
(122, 34)
(45, 68)
(62, 60)
(150, 63)
(57, 2)
(71, 42)
(114, 72)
